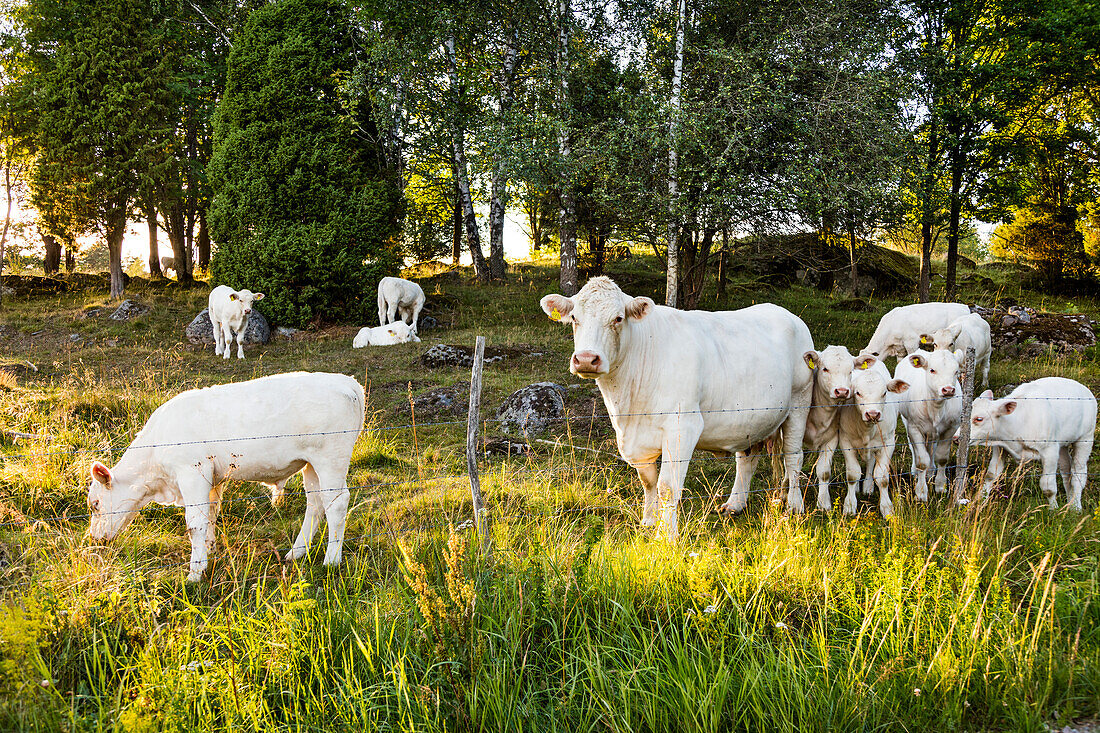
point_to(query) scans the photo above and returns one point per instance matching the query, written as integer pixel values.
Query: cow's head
(986, 415)
(833, 370)
(601, 315)
(113, 504)
(870, 389)
(246, 298)
(943, 338)
(942, 371)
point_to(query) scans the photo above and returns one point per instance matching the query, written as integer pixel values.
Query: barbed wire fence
(482, 511)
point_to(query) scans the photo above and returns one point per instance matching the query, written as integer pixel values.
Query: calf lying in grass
(263, 430)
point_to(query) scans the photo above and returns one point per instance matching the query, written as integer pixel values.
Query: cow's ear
(258, 296)
(811, 358)
(918, 361)
(102, 474)
(865, 361)
(556, 306)
(233, 296)
(926, 339)
(1006, 408)
(639, 307)
(897, 385)
(987, 395)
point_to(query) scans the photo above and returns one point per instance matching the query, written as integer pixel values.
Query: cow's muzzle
(872, 416)
(586, 363)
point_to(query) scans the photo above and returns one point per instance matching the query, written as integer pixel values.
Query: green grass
(579, 620)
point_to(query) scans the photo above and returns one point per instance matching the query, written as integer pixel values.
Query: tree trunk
(723, 265)
(955, 208)
(203, 244)
(116, 230)
(603, 233)
(175, 224)
(672, 279)
(458, 146)
(456, 236)
(696, 277)
(497, 202)
(567, 233)
(854, 273)
(70, 257)
(928, 187)
(51, 265)
(154, 250)
(7, 222)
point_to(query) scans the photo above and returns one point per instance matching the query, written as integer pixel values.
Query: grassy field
(940, 619)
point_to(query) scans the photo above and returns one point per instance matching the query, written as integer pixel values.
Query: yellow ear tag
(555, 315)
(865, 365)
(924, 340)
(811, 363)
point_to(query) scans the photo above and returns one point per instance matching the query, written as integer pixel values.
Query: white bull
(263, 430)
(899, 332)
(674, 381)
(397, 296)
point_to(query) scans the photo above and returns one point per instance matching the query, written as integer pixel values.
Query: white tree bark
(568, 221)
(672, 280)
(497, 202)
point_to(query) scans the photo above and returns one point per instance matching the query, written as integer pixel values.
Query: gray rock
(444, 355)
(286, 331)
(454, 400)
(129, 309)
(74, 337)
(532, 409)
(427, 323)
(1009, 320)
(504, 447)
(201, 331)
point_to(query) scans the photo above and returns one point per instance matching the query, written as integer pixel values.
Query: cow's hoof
(296, 553)
(825, 506)
(730, 508)
(194, 576)
(886, 510)
(649, 521)
(333, 558)
(849, 508)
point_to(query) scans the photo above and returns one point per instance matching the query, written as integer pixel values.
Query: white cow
(832, 368)
(263, 430)
(674, 381)
(1051, 419)
(962, 333)
(868, 427)
(399, 297)
(229, 310)
(899, 331)
(397, 332)
(931, 411)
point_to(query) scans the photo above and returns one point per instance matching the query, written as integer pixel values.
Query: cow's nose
(247, 311)
(840, 392)
(872, 415)
(948, 391)
(586, 361)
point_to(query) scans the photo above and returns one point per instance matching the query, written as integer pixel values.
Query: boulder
(129, 309)
(201, 331)
(532, 409)
(440, 401)
(426, 323)
(503, 447)
(445, 355)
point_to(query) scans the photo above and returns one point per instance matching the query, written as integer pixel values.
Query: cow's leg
(215, 511)
(647, 472)
(794, 430)
(335, 498)
(240, 340)
(219, 338)
(868, 483)
(921, 461)
(993, 470)
(1048, 480)
(381, 308)
(195, 491)
(417, 307)
(391, 311)
(824, 470)
(941, 452)
(315, 509)
(1082, 449)
(227, 340)
(1065, 461)
(742, 479)
(854, 472)
(985, 371)
(676, 450)
(882, 458)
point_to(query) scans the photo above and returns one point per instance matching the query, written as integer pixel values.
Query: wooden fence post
(473, 420)
(961, 464)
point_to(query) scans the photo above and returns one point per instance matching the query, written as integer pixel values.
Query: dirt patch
(1023, 332)
(438, 402)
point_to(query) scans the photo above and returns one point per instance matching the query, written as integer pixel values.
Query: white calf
(832, 368)
(868, 428)
(399, 297)
(397, 332)
(969, 331)
(263, 430)
(229, 310)
(1051, 419)
(931, 411)
(899, 331)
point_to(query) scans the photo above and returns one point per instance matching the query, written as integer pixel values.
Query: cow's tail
(774, 446)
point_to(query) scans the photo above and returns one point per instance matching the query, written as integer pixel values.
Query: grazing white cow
(832, 368)
(263, 430)
(397, 332)
(674, 381)
(1051, 419)
(899, 331)
(868, 426)
(229, 310)
(399, 297)
(931, 411)
(969, 331)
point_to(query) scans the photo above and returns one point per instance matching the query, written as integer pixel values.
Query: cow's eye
(859, 394)
(933, 371)
(824, 369)
(618, 320)
(94, 505)
(977, 420)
